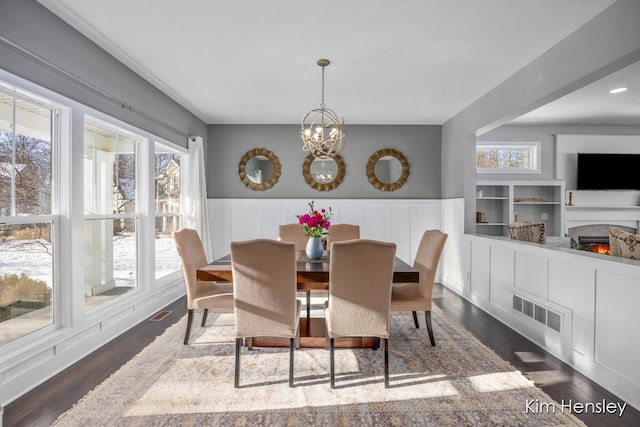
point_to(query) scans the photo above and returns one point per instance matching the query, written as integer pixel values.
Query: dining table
(312, 275)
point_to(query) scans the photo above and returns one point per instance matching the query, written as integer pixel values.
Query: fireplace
(595, 244)
(594, 237)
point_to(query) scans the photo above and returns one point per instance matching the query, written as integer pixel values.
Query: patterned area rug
(460, 382)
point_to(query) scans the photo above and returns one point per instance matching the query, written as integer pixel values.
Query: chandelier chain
(322, 105)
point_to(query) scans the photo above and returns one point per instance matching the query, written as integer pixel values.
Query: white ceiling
(403, 62)
(593, 104)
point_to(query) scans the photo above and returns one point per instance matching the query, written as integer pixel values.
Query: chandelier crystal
(322, 133)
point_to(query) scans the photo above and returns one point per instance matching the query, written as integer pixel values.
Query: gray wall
(607, 43)
(228, 143)
(38, 46)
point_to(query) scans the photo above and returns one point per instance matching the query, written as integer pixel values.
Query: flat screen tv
(606, 171)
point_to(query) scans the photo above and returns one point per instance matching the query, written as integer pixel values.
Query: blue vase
(314, 248)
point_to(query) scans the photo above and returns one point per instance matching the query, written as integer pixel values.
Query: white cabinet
(574, 288)
(499, 203)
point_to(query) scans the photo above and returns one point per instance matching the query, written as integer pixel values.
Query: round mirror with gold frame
(259, 169)
(323, 174)
(387, 169)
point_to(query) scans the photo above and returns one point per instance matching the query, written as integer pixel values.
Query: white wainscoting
(401, 221)
(398, 221)
(595, 295)
(454, 264)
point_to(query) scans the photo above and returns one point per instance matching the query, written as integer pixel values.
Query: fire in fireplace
(595, 244)
(593, 237)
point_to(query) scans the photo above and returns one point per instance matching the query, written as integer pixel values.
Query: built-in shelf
(501, 202)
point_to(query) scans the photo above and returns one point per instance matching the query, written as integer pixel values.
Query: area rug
(460, 382)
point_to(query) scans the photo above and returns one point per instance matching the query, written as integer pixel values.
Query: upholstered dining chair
(340, 232)
(360, 294)
(417, 296)
(265, 289)
(200, 294)
(294, 233)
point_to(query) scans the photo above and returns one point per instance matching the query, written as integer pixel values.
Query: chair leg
(386, 362)
(427, 316)
(308, 305)
(415, 319)
(204, 316)
(291, 346)
(332, 371)
(189, 321)
(236, 377)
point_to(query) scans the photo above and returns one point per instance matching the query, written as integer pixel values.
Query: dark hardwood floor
(560, 381)
(44, 404)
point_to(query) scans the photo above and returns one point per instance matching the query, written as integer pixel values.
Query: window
(77, 219)
(27, 215)
(505, 157)
(168, 207)
(111, 212)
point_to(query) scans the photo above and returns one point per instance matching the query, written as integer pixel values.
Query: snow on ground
(33, 258)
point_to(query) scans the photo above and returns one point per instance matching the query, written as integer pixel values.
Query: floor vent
(539, 313)
(159, 316)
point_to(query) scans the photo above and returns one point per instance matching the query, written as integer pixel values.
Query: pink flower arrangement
(315, 223)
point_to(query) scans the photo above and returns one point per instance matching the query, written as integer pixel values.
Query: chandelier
(322, 134)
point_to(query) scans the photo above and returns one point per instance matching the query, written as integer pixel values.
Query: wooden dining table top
(308, 271)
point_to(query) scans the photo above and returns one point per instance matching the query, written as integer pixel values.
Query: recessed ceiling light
(618, 90)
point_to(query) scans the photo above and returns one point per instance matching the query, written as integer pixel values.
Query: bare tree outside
(168, 208)
(502, 158)
(26, 174)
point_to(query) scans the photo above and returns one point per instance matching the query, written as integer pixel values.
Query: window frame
(140, 141)
(534, 147)
(71, 318)
(60, 141)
